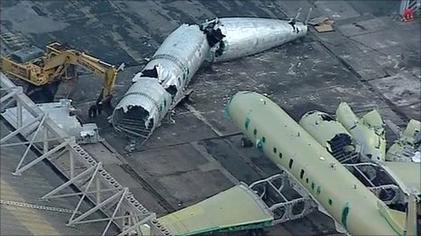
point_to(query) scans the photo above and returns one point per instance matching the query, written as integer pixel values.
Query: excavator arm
(57, 58)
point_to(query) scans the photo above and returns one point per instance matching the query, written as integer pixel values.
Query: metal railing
(94, 183)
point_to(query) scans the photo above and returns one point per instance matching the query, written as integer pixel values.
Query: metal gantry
(111, 202)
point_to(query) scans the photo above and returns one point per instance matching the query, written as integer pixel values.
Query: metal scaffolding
(111, 201)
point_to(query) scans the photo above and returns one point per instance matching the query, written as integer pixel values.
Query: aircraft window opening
(274, 150)
(255, 132)
(326, 117)
(291, 161)
(280, 155)
(259, 145)
(263, 139)
(312, 185)
(302, 174)
(318, 190)
(247, 123)
(330, 202)
(306, 180)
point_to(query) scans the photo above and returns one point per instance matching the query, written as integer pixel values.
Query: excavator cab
(31, 54)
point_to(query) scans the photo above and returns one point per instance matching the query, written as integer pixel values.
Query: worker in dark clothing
(292, 23)
(93, 111)
(99, 107)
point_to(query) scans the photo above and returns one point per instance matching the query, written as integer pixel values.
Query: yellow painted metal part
(52, 66)
(28, 72)
(234, 209)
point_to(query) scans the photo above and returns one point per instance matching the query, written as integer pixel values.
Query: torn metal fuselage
(247, 36)
(162, 83)
(332, 135)
(368, 132)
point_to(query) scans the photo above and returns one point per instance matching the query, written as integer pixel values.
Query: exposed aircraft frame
(328, 181)
(272, 187)
(271, 191)
(389, 192)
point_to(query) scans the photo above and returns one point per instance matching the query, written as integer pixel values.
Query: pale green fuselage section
(331, 184)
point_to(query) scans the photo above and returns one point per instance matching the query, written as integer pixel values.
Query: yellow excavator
(58, 63)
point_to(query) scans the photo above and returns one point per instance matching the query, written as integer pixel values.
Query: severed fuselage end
(162, 83)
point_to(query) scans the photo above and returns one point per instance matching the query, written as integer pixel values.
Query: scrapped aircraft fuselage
(288, 145)
(162, 83)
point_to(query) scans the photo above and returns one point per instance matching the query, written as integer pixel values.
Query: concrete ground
(371, 60)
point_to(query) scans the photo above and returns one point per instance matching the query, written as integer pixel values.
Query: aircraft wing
(237, 208)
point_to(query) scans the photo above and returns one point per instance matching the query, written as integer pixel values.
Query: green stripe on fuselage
(345, 213)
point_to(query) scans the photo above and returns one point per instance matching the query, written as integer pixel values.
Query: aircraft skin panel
(406, 174)
(322, 127)
(290, 146)
(233, 209)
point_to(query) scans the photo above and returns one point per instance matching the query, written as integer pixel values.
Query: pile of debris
(322, 24)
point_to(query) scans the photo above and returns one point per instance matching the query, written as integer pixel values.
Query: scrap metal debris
(322, 24)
